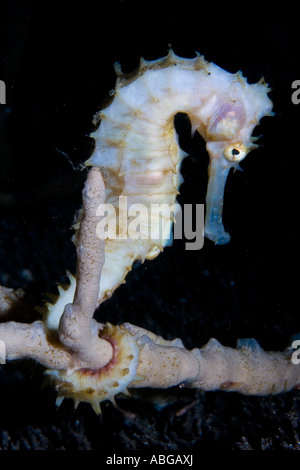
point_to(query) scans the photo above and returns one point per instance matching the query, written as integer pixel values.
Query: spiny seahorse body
(136, 146)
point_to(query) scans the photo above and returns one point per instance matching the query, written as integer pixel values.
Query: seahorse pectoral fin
(213, 227)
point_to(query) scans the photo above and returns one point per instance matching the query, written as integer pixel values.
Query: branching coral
(137, 156)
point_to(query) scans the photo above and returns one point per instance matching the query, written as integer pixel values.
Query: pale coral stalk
(152, 361)
(78, 331)
(248, 369)
(77, 343)
(32, 341)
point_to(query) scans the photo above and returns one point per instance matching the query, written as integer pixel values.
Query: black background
(57, 62)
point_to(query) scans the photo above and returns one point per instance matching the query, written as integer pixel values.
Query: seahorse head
(228, 118)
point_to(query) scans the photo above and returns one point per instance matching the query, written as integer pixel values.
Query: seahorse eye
(235, 152)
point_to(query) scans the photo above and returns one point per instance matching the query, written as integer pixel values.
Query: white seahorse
(138, 152)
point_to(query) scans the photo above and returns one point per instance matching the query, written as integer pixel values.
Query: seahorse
(137, 149)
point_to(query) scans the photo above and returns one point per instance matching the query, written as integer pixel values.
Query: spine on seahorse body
(136, 147)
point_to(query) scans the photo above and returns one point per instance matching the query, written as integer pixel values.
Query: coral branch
(31, 341)
(93, 362)
(76, 344)
(77, 329)
(248, 369)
